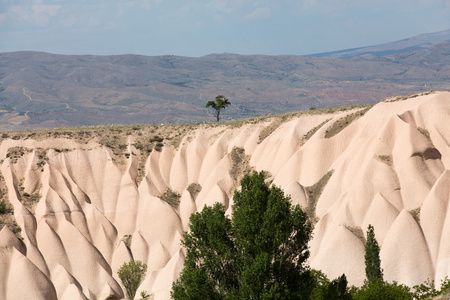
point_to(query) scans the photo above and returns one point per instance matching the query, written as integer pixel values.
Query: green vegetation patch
(340, 124)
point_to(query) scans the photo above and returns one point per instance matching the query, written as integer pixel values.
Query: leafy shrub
(131, 274)
(426, 290)
(378, 289)
(156, 138)
(144, 295)
(158, 146)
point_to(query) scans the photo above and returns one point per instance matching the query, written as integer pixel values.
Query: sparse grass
(127, 240)
(8, 220)
(7, 211)
(357, 231)
(425, 133)
(240, 165)
(268, 130)
(314, 192)
(415, 213)
(194, 189)
(27, 199)
(387, 159)
(14, 153)
(340, 124)
(290, 115)
(146, 138)
(171, 197)
(42, 158)
(310, 133)
(406, 97)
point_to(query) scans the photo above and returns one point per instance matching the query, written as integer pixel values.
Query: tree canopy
(220, 103)
(258, 253)
(372, 257)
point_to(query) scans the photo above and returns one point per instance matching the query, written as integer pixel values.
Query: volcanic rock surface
(388, 166)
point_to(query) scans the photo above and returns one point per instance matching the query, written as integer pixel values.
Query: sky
(199, 27)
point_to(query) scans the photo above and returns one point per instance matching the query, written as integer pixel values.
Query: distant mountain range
(41, 90)
(418, 42)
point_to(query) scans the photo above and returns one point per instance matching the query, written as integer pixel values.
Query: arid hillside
(81, 202)
(42, 90)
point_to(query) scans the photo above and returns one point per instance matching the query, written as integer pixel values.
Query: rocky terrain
(81, 202)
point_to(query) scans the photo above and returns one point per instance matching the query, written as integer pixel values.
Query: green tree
(427, 289)
(326, 290)
(220, 103)
(260, 253)
(337, 289)
(372, 257)
(131, 274)
(378, 289)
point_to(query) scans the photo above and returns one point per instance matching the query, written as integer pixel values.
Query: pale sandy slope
(386, 172)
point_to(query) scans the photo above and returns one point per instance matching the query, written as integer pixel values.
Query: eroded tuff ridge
(83, 211)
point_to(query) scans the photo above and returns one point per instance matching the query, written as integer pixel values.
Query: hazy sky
(200, 27)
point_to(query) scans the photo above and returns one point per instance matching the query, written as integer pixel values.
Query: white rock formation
(386, 172)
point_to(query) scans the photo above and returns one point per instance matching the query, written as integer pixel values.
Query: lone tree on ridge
(220, 103)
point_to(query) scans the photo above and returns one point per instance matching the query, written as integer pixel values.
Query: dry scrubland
(80, 202)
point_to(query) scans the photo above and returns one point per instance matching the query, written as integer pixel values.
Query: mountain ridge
(418, 42)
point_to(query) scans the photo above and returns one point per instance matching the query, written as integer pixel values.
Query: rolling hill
(42, 90)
